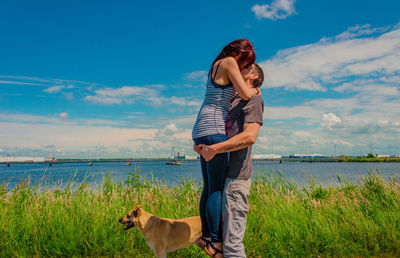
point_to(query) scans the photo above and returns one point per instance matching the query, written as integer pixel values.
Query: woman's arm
(236, 78)
(240, 141)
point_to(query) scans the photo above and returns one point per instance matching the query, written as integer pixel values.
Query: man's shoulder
(255, 103)
(256, 100)
(238, 103)
(253, 100)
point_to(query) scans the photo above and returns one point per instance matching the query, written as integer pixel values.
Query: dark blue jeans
(214, 175)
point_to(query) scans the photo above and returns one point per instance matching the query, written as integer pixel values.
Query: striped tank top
(212, 115)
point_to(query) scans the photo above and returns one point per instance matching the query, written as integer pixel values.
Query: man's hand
(207, 151)
(197, 149)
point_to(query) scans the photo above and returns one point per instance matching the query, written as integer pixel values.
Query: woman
(224, 81)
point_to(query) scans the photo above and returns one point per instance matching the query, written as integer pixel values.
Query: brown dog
(163, 235)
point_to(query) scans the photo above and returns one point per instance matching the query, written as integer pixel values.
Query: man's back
(241, 112)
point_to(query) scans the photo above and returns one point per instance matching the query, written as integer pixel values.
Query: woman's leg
(204, 193)
(216, 173)
(203, 200)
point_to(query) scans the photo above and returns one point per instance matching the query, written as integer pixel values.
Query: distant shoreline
(279, 160)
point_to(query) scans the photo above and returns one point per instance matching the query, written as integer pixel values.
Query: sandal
(204, 247)
(216, 250)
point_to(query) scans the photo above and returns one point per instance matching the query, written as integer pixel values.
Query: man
(242, 126)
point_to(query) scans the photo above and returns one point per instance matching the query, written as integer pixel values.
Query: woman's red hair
(237, 47)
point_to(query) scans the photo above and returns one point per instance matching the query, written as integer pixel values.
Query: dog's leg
(161, 254)
(159, 250)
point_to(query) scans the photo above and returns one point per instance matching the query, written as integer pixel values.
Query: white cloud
(18, 83)
(150, 94)
(67, 138)
(25, 78)
(197, 76)
(70, 136)
(184, 102)
(54, 89)
(125, 94)
(60, 119)
(330, 120)
(103, 122)
(360, 30)
(278, 9)
(336, 60)
(169, 129)
(361, 109)
(27, 118)
(44, 82)
(347, 122)
(164, 139)
(344, 143)
(63, 115)
(129, 95)
(69, 95)
(171, 133)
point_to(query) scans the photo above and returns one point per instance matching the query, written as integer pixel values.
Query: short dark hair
(260, 79)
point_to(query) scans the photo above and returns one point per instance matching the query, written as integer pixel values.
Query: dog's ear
(137, 210)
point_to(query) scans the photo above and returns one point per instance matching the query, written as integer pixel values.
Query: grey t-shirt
(241, 112)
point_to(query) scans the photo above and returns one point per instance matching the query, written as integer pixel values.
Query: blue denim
(214, 175)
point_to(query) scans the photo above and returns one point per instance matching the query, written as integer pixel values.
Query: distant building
(382, 155)
(21, 159)
(179, 156)
(187, 157)
(302, 156)
(265, 156)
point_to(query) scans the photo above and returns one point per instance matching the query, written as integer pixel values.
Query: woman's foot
(203, 242)
(214, 250)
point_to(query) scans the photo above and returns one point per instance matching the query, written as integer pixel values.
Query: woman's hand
(258, 91)
(197, 149)
(208, 152)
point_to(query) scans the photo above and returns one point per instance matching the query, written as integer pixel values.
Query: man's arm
(240, 141)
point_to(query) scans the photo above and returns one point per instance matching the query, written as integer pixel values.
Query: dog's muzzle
(128, 224)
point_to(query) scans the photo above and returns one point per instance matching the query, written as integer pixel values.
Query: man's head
(253, 75)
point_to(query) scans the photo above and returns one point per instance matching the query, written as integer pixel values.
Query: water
(322, 172)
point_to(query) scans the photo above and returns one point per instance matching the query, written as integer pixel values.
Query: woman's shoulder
(228, 61)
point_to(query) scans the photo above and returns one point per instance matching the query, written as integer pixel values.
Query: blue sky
(127, 78)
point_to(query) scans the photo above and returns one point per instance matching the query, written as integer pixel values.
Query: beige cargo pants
(234, 210)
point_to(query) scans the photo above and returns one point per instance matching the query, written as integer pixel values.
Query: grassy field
(284, 219)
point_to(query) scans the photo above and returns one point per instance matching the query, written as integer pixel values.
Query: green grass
(284, 219)
(370, 159)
